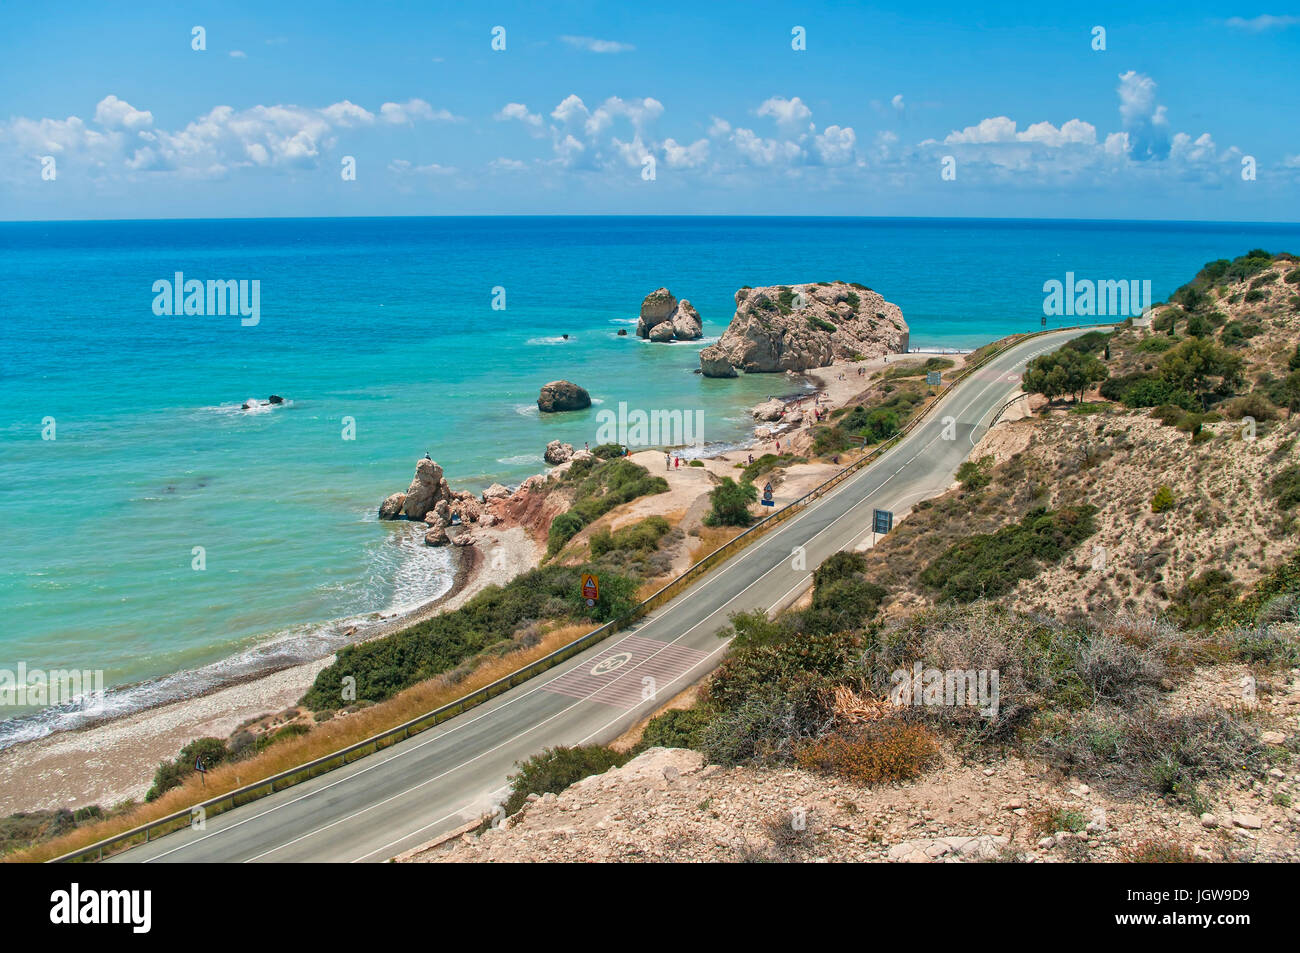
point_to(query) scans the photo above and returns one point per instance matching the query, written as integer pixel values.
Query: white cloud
(1143, 118)
(519, 112)
(412, 110)
(404, 167)
(897, 102)
(347, 114)
(593, 45)
(239, 54)
(638, 112)
(835, 145)
(571, 109)
(1262, 23)
(508, 165)
(765, 152)
(114, 113)
(678, 156)
(788, 113)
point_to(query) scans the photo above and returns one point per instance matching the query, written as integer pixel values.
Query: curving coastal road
(389, 802)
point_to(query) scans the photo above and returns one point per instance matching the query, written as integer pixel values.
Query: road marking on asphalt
(662, 663)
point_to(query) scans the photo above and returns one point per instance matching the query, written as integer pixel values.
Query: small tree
(730, 503)
(1163, 500)
(1065, 371)
(1199, 366)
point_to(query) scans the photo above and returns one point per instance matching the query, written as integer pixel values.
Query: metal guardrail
(305, 772)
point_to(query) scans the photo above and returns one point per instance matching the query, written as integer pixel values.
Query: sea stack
(664, 318)
(801, 327)
(562, 395)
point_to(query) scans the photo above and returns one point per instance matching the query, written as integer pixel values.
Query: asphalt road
(432, 783)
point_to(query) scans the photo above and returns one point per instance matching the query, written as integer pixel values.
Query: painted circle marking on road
(605, 666)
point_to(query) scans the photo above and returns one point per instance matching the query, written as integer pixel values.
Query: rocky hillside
(673, 805)
(800, 327)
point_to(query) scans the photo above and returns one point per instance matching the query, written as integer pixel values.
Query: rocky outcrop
(664, 318)
(426, 490)
(557, 453)
(562, 395)
(391, 508)
(495, 492)
(801, 327)
(770, 410)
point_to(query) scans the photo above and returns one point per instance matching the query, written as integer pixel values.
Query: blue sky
(568, 117)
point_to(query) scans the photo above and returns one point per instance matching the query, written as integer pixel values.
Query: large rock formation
(664, 318)
(562, 395)
(426, 491)
(800, 327)
(557, 453)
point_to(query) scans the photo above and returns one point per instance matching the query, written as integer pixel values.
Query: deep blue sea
(389, 323)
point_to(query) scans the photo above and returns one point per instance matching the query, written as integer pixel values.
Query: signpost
(882, 521)
(767, 496)
(590, 589)
(934, 379)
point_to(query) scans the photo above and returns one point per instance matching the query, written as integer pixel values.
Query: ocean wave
(527, 410)
(522, 459)
(624, 320)
(251, 406)
(555, 339)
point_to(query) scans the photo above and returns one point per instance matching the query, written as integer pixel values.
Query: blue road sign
(882, 521)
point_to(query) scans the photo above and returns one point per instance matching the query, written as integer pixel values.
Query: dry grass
(881, 752)
(324, 739)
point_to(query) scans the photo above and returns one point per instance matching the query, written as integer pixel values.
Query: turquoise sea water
(389, 322)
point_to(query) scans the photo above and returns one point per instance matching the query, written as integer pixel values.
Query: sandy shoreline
(114, 760)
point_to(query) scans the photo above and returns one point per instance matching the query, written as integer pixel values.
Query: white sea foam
(554, 339)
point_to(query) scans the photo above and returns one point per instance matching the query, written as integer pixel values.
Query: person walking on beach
(668, 461)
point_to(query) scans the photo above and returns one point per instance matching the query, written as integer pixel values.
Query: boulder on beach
(664, 318)
(391, 508)
(437, 536)
(769, 410)
(495, 492)
(562, 395)
(801, 327)
(557, 453)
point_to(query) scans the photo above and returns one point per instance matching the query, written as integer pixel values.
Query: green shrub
(640, 537)
(729, 503)
(818, 324)
(600, 488)
(1163, 500)
(975, 474)
(1204, 599)
(384, 666)
(676, 728)
(988, 565)
(170, 774)
(1285, 487)
(556, 768)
